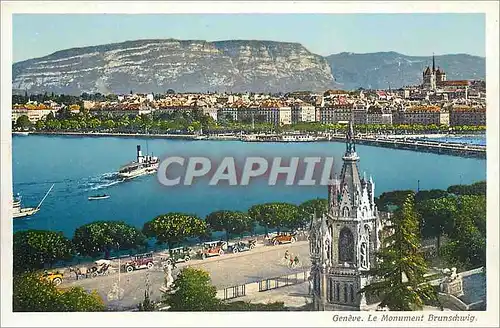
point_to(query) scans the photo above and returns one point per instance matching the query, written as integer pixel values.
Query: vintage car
(212, 248)
(241, 246)
(283, 238)
(139, 261)
(53, 277)
(179, 254)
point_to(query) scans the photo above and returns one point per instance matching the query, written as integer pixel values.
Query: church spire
(350, 144)
(433, 63)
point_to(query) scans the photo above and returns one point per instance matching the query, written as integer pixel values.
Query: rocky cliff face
(186, 66)
(380, 70)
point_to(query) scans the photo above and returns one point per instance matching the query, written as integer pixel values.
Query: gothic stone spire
(349, 176)
(350, 144)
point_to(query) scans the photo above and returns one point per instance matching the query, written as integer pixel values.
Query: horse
(78, 272)
(82, 271)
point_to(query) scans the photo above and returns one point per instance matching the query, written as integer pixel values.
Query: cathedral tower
(343, 242)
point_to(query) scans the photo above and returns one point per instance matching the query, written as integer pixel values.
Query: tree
(40, 125)
(31, 293)
(274, 215)
(53, 125)
(400, 282)
(232, 222)
(109, 124)
(50, 116)
(33, 249)
(104, 236)
(174, 228)
(437, 217)
(63, 113)
(391, 200)
(467, 246)
(94, 123)
(423, 195)
(23, 122)
(478, 188)
(307, 209)
(193, 292)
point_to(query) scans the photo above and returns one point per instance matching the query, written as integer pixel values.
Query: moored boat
(19, 212)
(98, 197)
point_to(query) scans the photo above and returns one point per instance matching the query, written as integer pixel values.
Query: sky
(37, 35)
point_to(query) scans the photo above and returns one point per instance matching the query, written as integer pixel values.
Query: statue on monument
(169, 280)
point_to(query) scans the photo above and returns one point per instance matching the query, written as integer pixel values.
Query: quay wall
(424, 146)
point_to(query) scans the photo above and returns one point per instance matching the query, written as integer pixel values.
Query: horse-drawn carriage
(98, 268)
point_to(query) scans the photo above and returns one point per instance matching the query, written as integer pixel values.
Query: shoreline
(233, 137)
(413, 142)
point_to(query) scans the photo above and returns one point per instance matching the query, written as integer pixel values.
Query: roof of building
(454, 83)
(335, 92)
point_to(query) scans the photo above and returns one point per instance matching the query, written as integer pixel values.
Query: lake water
(83, 166)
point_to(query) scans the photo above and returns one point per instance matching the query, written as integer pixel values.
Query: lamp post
(116, 293)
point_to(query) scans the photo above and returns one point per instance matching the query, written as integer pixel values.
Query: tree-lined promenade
(195, 122)
(458, 213)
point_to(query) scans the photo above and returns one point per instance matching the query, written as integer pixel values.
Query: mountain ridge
(154, 40)
(187, 65)
(155, 65)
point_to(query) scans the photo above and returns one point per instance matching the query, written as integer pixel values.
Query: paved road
(227, 270)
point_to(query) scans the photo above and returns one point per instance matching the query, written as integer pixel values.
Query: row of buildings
(293, 110)
(279, 113)
(436, 101)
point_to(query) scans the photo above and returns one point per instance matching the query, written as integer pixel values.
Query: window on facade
(345, 293)
(346, 246)
(337, 291)
(352, 294)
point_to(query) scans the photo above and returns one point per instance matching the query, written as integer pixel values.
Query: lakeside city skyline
(40, 35)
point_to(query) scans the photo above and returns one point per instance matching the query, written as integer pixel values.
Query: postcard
(334, 161)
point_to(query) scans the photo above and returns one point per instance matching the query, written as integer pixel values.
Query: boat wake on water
(106, 185)
(102, 181)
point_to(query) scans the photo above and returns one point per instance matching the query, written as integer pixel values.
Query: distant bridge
(444, 148)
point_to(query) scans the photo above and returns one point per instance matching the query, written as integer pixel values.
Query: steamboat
(144, 164)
